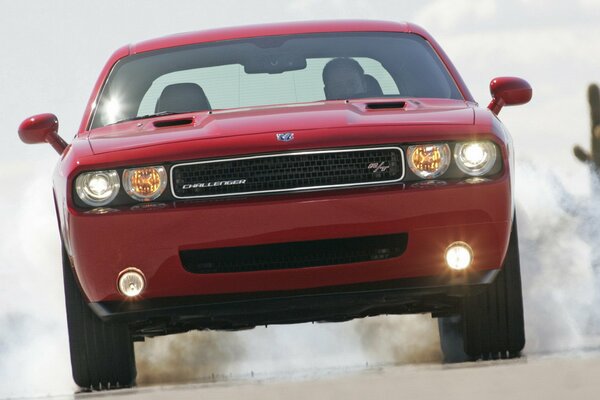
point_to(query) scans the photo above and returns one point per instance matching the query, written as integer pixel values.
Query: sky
(52, 53)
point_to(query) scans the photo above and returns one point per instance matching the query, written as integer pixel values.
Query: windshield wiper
(160, 114)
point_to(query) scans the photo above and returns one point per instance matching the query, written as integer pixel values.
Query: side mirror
(42, 128)
(508, 91)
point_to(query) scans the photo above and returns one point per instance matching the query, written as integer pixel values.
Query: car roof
(287, 28)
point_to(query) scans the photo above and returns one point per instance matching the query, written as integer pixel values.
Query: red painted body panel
(150, 239)
(509, 91)
(285, 28)
(42, 128)
(300, 118)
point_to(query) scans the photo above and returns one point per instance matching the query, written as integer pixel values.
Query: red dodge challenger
(275, 174)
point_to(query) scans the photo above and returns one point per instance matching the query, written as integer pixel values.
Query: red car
(275, 174)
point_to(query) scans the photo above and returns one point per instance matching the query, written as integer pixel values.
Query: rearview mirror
(508, 91)
(42, 128)
(274, 64)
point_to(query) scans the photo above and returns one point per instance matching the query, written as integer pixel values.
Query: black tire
(489, 325)
(102, 355)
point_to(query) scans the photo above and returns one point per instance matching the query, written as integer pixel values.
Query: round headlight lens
(146, 183)
(475, 158)
(97, 188)
(428, 161)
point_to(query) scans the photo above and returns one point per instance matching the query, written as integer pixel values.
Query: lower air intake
(294, 255)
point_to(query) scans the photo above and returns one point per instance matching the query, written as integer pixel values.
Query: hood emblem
(285, 137)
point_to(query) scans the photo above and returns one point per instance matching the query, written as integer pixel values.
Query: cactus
(592, 157)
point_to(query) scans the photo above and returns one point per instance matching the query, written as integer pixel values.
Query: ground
(571, 375)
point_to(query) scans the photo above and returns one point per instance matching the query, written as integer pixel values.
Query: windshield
(272, 70)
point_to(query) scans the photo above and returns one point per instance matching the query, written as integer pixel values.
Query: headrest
(343, 79)
(373, 87)
(182, 97)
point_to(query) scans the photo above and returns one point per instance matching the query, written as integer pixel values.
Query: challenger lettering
(214, 184)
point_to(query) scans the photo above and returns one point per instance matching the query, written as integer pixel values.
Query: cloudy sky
(53, 51)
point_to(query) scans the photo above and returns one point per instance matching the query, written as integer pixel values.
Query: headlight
(475, 158)
(429, 161)
(146, 183)
(97, 188)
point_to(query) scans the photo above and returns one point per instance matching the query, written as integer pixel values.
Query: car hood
(297, 117)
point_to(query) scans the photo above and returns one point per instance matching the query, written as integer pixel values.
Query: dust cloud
(34, 354)
(557, 224)
(302, 350)
(559, 229)
(187, 357)
(400, 339)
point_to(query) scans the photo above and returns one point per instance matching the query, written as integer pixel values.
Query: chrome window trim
(297, 153)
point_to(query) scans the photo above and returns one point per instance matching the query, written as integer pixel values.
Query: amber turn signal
(146, 183)
(429, 161)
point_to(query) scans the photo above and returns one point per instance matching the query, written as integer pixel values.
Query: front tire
(490, 325)
(102, 355)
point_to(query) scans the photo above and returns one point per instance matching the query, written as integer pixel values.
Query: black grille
(289, 171)
(293, 255)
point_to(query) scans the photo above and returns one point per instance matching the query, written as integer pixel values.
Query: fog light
(131, 282)
(459, 256)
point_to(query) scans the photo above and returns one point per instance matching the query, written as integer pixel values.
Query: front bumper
(150, 239)
(439, 295)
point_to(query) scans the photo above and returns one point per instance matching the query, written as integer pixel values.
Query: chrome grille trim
(296, 189)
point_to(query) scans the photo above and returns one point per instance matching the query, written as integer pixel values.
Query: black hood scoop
(386, 105)
(173, 122)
